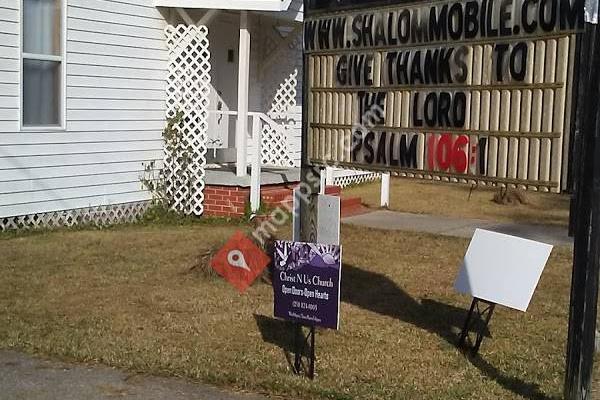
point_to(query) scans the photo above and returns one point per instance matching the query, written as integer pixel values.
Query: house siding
(9, 66)
(116, 66)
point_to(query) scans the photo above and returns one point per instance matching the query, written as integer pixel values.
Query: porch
(236, 74)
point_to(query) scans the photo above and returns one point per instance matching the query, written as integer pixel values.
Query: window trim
(62, 58)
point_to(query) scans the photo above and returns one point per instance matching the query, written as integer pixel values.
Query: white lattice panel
(188, 90)
(284, 100)
(345, 178)
(281, 88)
(275, 146)
(97, 216)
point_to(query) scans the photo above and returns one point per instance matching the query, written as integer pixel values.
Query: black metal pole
(298, 348)
(481, 333)
(311, 369)
(575, 98)
(586, 224)
(462, 341)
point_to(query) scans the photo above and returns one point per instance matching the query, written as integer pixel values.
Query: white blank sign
(502, 269)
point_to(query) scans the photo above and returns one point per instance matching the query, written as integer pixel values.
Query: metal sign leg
(477, 321)
(304, 345)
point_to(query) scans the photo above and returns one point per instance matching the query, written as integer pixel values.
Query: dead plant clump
(201, 266)
(511, 197)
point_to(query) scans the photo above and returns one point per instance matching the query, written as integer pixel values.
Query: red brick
(217, 214)
(242, 200)
(232, 200)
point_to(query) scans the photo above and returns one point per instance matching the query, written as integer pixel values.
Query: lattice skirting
(355, 178)
(97, 216)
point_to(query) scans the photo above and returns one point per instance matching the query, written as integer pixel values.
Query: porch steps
(232, 201)
(352, 206)
(277, 196)
(274, 196)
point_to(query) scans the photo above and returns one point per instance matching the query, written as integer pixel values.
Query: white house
(86, 85)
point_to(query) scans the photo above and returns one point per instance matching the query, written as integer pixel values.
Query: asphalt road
(23, 377)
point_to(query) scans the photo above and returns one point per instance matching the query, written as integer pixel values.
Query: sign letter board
(306, 283)
(461, 91)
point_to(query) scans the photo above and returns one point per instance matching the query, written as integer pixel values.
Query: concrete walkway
(459, 227)
(26, 377)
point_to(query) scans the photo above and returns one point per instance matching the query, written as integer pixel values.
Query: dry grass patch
(437, 198)
(127, 298)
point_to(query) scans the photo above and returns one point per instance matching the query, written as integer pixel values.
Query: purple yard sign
(306, 281)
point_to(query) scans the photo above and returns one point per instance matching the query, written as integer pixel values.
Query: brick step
(224, 201)
(351, 202)
(276, 195)
(349, 205)
(333, 190)
(353, 206)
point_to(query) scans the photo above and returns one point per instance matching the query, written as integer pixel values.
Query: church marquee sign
(463, 91)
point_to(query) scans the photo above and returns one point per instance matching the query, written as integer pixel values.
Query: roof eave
(247, 5)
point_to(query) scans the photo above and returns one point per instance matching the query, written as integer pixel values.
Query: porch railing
(260, 123)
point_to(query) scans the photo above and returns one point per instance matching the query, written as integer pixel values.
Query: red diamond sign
(240, 261)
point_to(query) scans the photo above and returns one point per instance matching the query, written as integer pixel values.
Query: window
(42, 52)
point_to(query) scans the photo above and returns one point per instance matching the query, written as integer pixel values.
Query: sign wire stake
(477, 321)
(304, 344)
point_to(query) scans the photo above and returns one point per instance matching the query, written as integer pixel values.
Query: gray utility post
(585, 222)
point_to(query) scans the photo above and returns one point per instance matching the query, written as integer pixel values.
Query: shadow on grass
(377, 293)
(278, 332)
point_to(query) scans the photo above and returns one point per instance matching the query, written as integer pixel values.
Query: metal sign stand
(304, 346)
(477, 321)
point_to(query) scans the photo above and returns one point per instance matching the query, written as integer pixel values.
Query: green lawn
(126, 297)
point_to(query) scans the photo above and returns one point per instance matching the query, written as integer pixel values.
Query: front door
(224, 44)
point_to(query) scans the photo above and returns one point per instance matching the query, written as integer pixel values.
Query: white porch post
(323, 181)
(241, 141)
(256, 165)
(385, 190)
(330, 180)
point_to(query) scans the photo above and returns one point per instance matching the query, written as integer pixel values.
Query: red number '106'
(445, 152)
